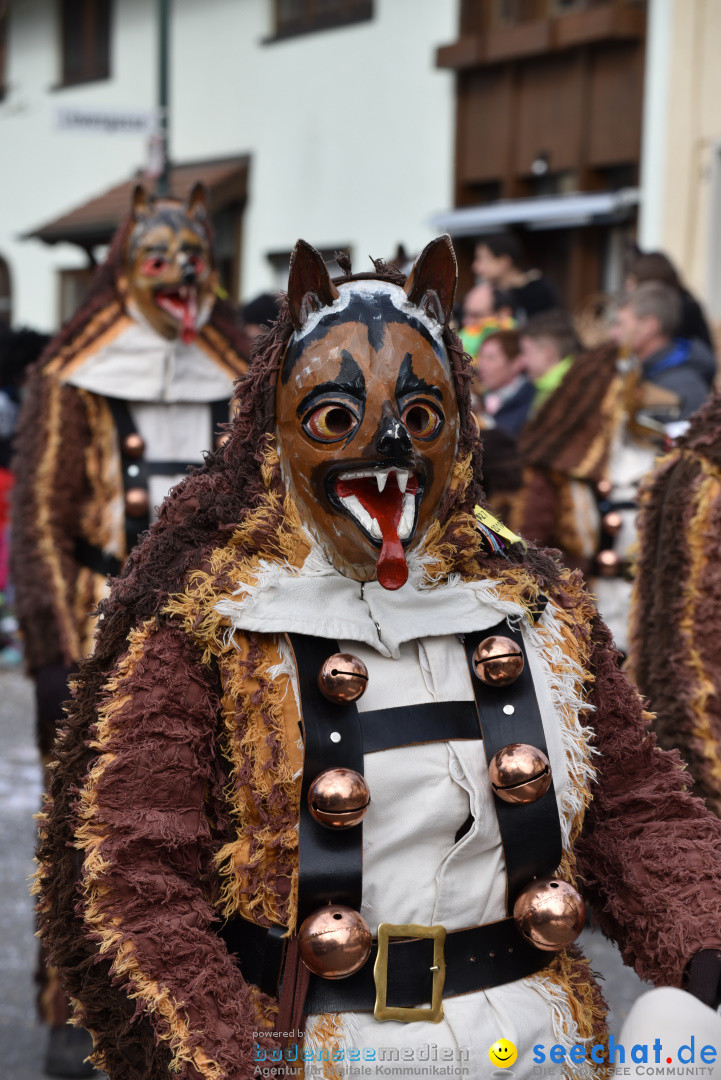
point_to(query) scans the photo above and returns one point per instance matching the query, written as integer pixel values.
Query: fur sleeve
(51, 489)
(535, 509)
(649, 853)
(147, 823)
(675, 631)
(545, 513)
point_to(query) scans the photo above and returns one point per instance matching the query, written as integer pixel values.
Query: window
(4, 13)
(303, 16)
(511, 12)
(6, 307)
(74, 285)
(85, 37)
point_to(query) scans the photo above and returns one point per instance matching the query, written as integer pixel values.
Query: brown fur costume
(175, 799)
(567, 444)
(675, 639)
(69, 472)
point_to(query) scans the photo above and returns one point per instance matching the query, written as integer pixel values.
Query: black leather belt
(475, 959)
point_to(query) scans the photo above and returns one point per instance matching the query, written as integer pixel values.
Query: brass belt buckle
(381, 1011)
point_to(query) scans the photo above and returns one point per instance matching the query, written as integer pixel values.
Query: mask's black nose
(393, 439)
(189, 275)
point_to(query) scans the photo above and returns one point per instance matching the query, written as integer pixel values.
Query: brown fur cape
(675, 653)
(151, 792)
(68, 469)
(567, 441)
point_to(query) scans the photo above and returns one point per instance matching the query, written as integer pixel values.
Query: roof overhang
(543, 212)
(94, 222)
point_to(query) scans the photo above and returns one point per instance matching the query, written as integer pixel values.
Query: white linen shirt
(413, 870)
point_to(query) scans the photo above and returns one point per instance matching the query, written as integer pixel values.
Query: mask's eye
(153, 266)
(197, 263)
(422, 420)
(330, 422)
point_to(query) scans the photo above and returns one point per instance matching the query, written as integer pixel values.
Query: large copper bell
(334, 941)
(608, 563)
(134, 445)
(520, 773)
(498, 661)
(338, 798)
(137, 502)
(612, 522)
(343, 678)
(549, 913)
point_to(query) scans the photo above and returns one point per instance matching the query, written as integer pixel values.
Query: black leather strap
(97, 560)
(330, 860)
(476, 959)
(531, 833)
(132, 470)
(259, 950)
(220, 415)
(437, 721)
(137, 471)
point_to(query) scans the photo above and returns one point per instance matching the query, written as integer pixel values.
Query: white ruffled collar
(318, 600)
(140, 365)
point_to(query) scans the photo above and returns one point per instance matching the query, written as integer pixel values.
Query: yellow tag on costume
(487, 521)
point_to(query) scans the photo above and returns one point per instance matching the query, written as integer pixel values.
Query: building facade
(326, 119)
(548, 132)
(681, 167)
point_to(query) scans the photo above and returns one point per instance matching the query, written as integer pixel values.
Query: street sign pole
(163, 66)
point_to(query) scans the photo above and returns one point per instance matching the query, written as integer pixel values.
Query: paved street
(21, 1040)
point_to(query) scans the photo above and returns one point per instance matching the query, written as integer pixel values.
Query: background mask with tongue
(366, 412)
(168, 277)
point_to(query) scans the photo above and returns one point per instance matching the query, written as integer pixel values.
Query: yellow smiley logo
(503, 1053)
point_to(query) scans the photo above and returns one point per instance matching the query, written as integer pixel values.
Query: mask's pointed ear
(431, 284)
(198, 203)
(141, 204)
(309, 285)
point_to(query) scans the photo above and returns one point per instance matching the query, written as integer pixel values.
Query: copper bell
(498, 661)
(608, 563)
(549, 913)
(520, 773)
(604, 488)
(612, 522)
(334, 941)
(221, 440)
(343, 678)
(134, 445)
(339, 798)
(137, 502)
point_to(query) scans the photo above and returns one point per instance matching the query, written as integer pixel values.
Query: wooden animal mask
(366, 412)
(168, 277)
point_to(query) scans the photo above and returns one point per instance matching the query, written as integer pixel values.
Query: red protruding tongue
(184, 309)
(386, 507)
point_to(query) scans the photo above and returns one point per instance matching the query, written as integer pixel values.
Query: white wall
(350, 131)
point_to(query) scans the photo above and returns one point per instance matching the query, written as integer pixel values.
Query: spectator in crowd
(566, 442)
(676, 373)
(485, 310)
(257, 315)
(505, 393)
(499, 260)
(655, 266)
(548, 345)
